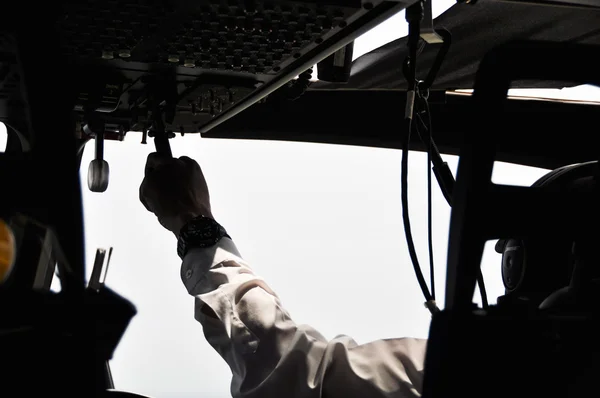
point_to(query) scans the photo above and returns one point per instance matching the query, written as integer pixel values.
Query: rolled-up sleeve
(271, 356)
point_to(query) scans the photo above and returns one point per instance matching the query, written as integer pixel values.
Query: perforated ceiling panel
(241, 36)
(195, 63)
(105, 29)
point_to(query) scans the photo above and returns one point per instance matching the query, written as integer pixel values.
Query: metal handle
(161, 136)
(161, 142)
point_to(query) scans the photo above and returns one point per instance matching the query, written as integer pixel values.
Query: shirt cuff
(198, 261)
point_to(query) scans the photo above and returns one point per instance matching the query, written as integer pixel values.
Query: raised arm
(244, 321)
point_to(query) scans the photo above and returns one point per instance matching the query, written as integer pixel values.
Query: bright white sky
(321, 223)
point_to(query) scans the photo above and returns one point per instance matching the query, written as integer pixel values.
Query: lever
(161, 143)
(98, 171)
(101, 263)
(161, 136)
(96, 283)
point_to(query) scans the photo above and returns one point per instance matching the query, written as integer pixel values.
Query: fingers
(142, 195)
(174, 188)
(163, 175)
(156, 160)
(189, 162)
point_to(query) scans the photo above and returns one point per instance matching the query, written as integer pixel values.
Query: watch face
(199, 232)
(208, 232)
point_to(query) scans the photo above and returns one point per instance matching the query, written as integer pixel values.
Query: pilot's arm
(243, 319)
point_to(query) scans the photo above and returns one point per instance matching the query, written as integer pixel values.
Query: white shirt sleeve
(270, 356)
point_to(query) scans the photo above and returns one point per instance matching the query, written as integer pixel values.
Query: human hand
(174, 190)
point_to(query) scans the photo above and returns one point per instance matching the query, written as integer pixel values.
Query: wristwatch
(199, 232)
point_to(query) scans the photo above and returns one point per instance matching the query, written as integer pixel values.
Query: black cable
(448, 181)
(406, 217)
(430, 226)
(429, 202)
(441, 170)
(432, 150)
(482, 291)
(414, 14)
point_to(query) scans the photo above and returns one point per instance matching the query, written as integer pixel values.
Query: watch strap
(199, 232)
